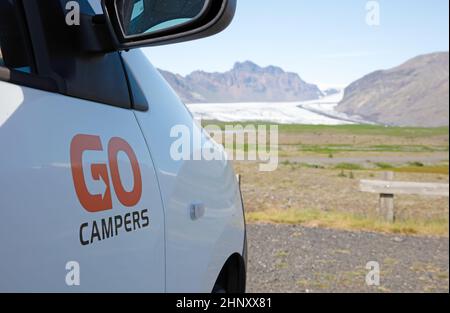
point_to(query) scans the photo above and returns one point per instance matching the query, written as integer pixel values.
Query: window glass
(140, 17)
(13, 51)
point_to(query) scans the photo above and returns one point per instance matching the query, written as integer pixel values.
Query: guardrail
(387, 189)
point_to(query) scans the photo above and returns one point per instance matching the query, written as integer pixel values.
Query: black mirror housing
(206, 18)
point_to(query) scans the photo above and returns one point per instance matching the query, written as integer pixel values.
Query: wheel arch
(232, 277)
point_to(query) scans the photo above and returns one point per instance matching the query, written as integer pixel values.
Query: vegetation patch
(359, 129)
(333, 148)
(384, 165)
(349, 166)
(426, 169)
(347, 221)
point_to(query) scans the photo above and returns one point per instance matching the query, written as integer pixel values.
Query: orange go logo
(102, 202)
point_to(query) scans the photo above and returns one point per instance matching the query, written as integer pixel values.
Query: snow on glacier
(315, 112)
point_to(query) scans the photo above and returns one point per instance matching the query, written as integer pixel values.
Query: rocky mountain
(330, 92)
(415, 93)
(246, 82)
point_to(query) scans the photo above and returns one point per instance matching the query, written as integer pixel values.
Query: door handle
(197, 210)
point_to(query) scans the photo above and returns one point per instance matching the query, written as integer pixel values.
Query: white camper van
(91, 198)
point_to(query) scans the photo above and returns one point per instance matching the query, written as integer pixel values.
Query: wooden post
(387, 188)
(386, 207)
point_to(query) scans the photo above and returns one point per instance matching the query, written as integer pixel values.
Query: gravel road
(286, 258)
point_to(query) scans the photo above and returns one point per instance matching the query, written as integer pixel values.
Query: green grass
(384, 165)
(333, 148)
(347, 129)
(425, 169)
(349, 166)
(413, 167)
(348, 221)
(296, 165)
(281, 254)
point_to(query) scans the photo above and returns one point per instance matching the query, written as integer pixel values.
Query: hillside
(415, 93)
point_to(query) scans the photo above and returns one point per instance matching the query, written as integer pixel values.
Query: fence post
(386, 206)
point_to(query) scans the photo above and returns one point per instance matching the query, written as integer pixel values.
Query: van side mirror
(140, 23)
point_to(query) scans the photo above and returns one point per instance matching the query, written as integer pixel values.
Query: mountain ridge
(415, 93)
(245, 82)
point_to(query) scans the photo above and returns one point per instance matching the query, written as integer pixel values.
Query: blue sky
(327, 42)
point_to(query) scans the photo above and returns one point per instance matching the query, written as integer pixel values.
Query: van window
(13, 50)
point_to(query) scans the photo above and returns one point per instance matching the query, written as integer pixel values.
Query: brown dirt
(296, 187)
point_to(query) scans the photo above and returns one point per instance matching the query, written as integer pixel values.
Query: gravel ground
(286, 258)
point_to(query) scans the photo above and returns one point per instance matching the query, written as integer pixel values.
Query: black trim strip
(20, 11)
(27, 80)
